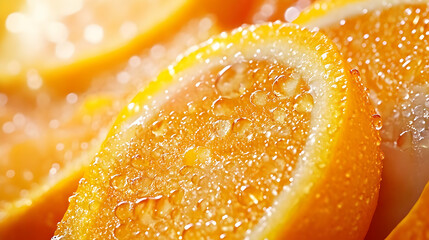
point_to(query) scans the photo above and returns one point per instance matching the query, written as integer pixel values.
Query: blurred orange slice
(387, 41)
(66, 42)
(53, 139)
(263, 132)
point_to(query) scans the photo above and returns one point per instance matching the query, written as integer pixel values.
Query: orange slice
(415, 225)
(387, 42)
(263, 132)
(62, 44)
(61, 135)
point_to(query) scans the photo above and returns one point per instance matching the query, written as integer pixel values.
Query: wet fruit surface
(202, 173)
(224, 142)
(388, 44)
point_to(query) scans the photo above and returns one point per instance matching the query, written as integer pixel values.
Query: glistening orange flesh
(263, 132)
(387, 42)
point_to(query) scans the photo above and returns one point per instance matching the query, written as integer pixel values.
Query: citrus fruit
(415, 225)
(66, 42)
(47, 141)
(263, 132)
(387, 42)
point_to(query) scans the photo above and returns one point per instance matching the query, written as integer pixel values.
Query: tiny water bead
(233, 151)
(250, 195)
(304, 103)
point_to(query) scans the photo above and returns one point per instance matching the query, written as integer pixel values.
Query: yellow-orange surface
(387, 41)
(263, 132)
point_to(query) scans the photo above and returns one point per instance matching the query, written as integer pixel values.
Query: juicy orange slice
(263, 132)
(387, 42)
(64, 43)
(47, 141)
(415, 225)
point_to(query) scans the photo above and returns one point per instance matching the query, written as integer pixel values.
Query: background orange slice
(387, 42)
(53, 137)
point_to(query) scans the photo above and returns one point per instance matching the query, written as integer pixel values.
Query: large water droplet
(222, 107)
(118, 181)
(259, 98)
(242, 126)
(232, 81)
(304, 103)
(284, 87)
(124, 211)
(377, 121)
(159, 128)
(250, 196)
(122, 232)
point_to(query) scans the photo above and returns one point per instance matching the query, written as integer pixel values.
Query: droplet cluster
(390, 56)
(213, 158)
(389, 47)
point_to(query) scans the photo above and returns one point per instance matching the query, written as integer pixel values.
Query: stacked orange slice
(387, 42)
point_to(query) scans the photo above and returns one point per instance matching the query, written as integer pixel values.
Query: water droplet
(222, 127)
(118, 181)
(250, 196)
(259, 98)
(242, 126)
(222, 107)
(232, 81)
(124, 211)
(377, 121)
(159, 128)
(304, 103)
(285, 87)
(197, 156)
